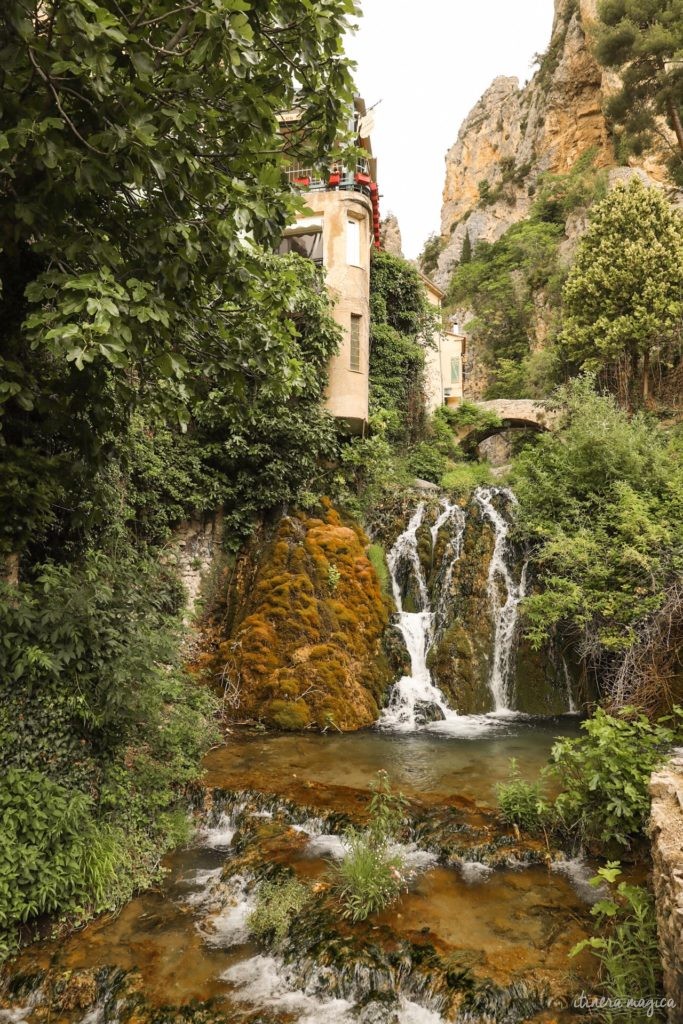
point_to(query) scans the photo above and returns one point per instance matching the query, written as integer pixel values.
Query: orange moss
(303, 654)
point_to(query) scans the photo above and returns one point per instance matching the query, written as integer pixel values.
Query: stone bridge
(509, 413)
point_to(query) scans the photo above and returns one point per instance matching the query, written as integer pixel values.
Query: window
(353, 242)
(455, 369)
(354, 357)
(309, 245)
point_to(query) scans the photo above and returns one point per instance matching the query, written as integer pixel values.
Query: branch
(60, 108)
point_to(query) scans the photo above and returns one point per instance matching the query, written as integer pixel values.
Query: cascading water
(415, 699)
(505, 613)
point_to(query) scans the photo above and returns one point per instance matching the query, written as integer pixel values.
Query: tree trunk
(646, 378)
(676, 123)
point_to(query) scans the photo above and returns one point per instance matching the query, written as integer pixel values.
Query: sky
(429, 61)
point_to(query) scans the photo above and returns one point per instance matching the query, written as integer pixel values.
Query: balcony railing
(355, 179)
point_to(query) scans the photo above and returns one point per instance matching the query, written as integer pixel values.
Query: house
(444, 359)
(338, 231)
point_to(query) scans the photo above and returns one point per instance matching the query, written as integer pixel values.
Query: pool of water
(419, 764)
(187, 942)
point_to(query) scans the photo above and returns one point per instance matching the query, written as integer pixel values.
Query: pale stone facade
(345, 220)
(444, 360)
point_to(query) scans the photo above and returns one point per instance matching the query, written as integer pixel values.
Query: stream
(483, 931)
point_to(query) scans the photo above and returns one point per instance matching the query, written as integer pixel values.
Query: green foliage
(520, 802)
(606, 772)
(402, 322)
(498, 283)
(97, 723)
(626, 946)
(52, 853)
(643, 42)
(333, 576)
(466, 251)
(142, 167)
(469, 414)
(622, 299)
(558, 195)
(429, 257)
(462, 479)
(370, 876)
(599, 503)
(378, 560)
(277, 904)
(426, 463)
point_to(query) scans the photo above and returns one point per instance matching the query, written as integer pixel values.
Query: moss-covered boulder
(306, 645)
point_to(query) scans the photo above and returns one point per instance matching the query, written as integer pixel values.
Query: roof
(430, 284)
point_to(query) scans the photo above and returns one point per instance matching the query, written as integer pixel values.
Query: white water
(504, 613)
(266, 982)
(402, 714)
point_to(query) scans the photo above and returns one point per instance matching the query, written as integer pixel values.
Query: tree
(466, 252)
(643, 39)
(140, 177)
(623, 299)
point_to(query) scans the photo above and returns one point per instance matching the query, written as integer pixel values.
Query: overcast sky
(429, 61)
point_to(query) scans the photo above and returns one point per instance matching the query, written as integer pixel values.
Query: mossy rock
(290, 716)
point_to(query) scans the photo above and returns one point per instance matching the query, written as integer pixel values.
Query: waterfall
(505, 612)
(415, 701)
(453, 516)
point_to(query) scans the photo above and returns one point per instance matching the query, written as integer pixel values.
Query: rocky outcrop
(305, 623)
(461, 658)
(390, 236)
(666, 832)
(194, 548)
(515, 134)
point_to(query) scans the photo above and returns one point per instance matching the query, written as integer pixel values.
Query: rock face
(304, 624)
(461, 659)
(390, 235)
(514, 134)
(666, 832)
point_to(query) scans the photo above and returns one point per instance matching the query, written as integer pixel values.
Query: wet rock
(427, 711)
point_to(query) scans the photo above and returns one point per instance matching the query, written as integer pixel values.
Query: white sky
(429, 61)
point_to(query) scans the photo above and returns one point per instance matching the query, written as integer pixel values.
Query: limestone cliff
(515, 134)
(390, 235)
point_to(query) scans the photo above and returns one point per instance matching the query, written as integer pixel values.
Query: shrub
(627, 946)
(277, 904)
(371, 875)
(605, 775)
(52, 853)
(521, 802)
(463, 478)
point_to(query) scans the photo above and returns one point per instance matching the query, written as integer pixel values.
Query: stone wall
(195, 544)
(666, 832)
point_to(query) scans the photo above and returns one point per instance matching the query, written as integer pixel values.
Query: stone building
(444, 359)
(338, 232)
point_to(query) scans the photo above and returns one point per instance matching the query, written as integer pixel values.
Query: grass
(378, 561)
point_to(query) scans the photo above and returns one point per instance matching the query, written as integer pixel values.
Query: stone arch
(520, 413)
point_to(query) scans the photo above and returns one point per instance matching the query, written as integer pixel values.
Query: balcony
(355, 179)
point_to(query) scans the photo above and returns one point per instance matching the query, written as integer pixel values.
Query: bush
(97, 724)
(277, 904)
(599, 502)
(371, 876)
(53, 856)
(605, 775)
(627, 947)
(463, 478)
(522, 803)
